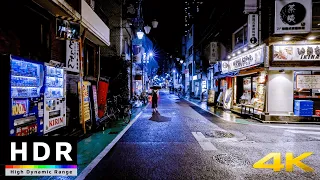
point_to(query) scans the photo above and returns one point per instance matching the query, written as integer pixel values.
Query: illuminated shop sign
(252, 57)
(296, 52)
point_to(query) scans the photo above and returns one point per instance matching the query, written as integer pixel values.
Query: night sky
(170, 15)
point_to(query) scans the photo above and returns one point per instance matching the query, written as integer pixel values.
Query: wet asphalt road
(185, 142)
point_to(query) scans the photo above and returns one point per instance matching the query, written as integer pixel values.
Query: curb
(263, 122)
(209, 111)
(106, 150)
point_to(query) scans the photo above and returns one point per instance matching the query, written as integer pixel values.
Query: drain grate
(219, 134)
(230, 160)
(114, 132)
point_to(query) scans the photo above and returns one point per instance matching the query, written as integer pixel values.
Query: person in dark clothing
(154, 101)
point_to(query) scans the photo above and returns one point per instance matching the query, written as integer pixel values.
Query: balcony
(98, 29)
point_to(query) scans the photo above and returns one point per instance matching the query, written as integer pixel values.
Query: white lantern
(147, 29)
(140, 34)
(181, 61)
(178, 59)
(154, 23)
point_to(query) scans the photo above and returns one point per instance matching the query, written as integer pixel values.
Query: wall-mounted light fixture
(311, 38)
(287, 38)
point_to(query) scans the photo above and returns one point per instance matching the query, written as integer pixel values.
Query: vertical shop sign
(292, 16)
(72, 56)
(86, 101)
(253, 26)
(213, 52)
(95, 101)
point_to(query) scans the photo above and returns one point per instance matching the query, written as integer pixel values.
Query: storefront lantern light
(245, 49)
(181, 61)
(229, 57)
(239, 52)
(140, 34)
(233, 54)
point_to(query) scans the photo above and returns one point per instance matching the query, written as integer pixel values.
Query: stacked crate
(303, 107)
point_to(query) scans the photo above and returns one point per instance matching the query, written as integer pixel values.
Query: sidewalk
(225, 115)
(90, 147)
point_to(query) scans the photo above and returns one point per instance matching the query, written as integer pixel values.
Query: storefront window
(307, 87)
(250, 90)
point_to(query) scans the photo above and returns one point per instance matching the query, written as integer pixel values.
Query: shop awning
(254, 70)
(230, 74)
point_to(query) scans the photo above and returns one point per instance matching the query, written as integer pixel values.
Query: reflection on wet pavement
(158, 118)
(225, 115)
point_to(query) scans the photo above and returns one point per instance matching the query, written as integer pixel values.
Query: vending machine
(54, 98)
(26, 96)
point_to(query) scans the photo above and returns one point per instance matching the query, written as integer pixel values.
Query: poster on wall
(293, 16)
(259, 97)
(86, 101)
(296, 52)
(72, 56)
(308, 81)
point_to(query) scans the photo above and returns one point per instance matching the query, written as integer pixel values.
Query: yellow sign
(18, 110)
(19, 107)
(290, 161)
(86, 100)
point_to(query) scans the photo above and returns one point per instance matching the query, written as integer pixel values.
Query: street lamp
(150, 54)
(154, 23)
(147, 29)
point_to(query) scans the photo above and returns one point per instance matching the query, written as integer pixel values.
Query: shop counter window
(307, 87)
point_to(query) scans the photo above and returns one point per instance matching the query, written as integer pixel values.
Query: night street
(160, 89)
(185, 142)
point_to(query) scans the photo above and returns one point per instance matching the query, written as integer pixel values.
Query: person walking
(154, 101)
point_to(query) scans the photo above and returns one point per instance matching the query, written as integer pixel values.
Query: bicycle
(123, 110)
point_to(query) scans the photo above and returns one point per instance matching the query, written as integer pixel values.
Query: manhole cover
(219, 134)
(230, 160)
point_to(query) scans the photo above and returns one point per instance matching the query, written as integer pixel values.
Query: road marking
(95, 162)
(304, 132)
(294, 127)
(205, 144)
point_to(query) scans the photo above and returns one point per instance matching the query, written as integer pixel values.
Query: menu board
(308, 81)
(211, 96)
